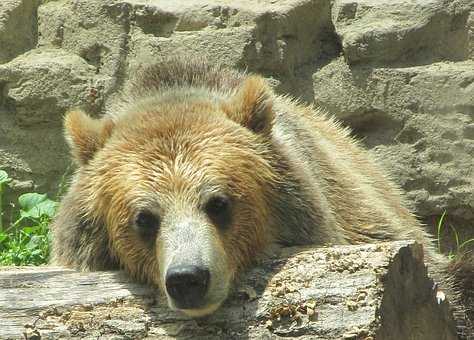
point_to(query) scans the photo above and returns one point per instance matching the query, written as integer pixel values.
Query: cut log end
(376, 291)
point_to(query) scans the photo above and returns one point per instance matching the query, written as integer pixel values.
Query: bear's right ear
(86, 135)
(252, 105)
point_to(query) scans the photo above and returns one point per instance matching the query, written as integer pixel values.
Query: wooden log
(376, 291)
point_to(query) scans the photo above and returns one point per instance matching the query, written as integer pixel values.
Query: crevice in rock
(94, 55)
(155, 22)
(6, 103)
(409, 135)
(283, 43)
(35, 23)
(282, 48)
(122, 13)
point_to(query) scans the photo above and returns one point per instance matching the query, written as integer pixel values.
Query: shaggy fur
(184, 130)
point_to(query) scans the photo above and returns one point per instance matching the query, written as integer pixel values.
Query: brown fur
(186, 129)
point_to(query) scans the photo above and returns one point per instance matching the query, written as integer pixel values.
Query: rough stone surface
(402, 31)
(382, 292)
(40, 85)
(417, 120)
(18, 27)
(399, 72)
(36, 89)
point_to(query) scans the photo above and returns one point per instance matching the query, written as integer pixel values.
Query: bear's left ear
(86, 135)
(251, 106)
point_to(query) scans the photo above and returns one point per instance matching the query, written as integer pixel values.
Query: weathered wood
(352, 292)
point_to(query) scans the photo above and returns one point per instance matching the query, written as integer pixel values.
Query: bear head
(180, 181)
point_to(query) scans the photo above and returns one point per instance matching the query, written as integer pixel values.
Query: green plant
(439, 228)
(441, 225)
(27, 240)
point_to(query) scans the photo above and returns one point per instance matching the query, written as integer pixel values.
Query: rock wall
(400, 73)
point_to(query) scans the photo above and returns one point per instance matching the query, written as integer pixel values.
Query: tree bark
(376, 291)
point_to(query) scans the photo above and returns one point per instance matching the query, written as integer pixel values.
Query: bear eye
(219, 210)
(147, 222)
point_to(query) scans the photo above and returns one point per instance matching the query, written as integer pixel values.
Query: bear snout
(187, 285)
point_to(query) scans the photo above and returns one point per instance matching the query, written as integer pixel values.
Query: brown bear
(198, 169)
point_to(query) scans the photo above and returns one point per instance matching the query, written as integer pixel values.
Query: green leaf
(4, 177)
(36, 205)
(47, 208)
(30, 230)
(29, 245)
(30, 200)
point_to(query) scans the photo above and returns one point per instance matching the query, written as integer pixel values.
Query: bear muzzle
(187, 285)
(196, 274)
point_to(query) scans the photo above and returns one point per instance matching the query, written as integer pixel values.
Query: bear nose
(187, 285)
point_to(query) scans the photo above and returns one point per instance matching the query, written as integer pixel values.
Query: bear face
(173, 180)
